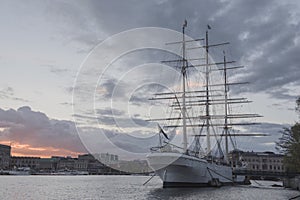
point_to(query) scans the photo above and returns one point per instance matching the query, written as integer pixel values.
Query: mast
(207, 96)
(204, 98)
(183, 71)
(226, 108)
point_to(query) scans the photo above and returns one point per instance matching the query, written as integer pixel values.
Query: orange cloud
(18, 149)
(34, 133)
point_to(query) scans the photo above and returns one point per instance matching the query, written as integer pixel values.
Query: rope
(149, 179)
(258, 183)
(294, 197)
(219, 175)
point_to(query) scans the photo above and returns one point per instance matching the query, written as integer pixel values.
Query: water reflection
(223, 193)
(181, 193)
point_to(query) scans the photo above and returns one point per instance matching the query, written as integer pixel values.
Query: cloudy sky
(45, 44)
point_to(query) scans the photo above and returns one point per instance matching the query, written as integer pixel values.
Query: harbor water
(126, 187)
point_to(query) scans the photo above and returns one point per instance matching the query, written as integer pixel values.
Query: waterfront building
(48, 164)
(135, 166)
(24, 161)
(83, 161)
(66, 163)
(107, 159)
(94, 165)
(257, 161)
(5, 152)
(87, 162)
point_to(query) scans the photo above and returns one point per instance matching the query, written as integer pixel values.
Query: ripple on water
(123, 187)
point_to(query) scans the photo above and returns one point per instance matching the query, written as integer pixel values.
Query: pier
(266, 174)
(289, 179)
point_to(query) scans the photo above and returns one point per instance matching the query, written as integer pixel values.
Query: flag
(162, 131)
(185, 23)
(208, 26)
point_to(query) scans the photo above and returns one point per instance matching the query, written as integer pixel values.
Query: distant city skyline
(44, 43)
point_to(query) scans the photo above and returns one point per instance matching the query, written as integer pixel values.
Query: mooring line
(219, 174)
(295, 197)
(149, 179)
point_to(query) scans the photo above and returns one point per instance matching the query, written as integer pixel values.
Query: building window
(265, 167)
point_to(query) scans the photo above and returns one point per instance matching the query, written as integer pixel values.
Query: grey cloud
(270, 26)
(110, 112)
(69, 89)
(115, 121)
(144, 93)
(72, 20)
(9, 93)
(282, 93)
(123, 122)
(133, 14)
(84, 116)
(268, 128)
(58, 70)
(135, 144)
(269, 48)
(20, 99)
(36, 129)
(271, 37)
(123, 144)
(110, 86)
(6, 92)
(265, 143)
(66, 104)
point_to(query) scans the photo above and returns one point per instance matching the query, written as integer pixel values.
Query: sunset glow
(18, 149)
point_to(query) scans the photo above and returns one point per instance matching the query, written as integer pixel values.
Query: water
(123, 187)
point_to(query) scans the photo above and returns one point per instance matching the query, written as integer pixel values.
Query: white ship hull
(179, 170)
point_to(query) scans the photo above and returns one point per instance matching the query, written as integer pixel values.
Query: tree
(298, 105)
(289, 145)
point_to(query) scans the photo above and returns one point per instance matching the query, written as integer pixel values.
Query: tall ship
(205, 113)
